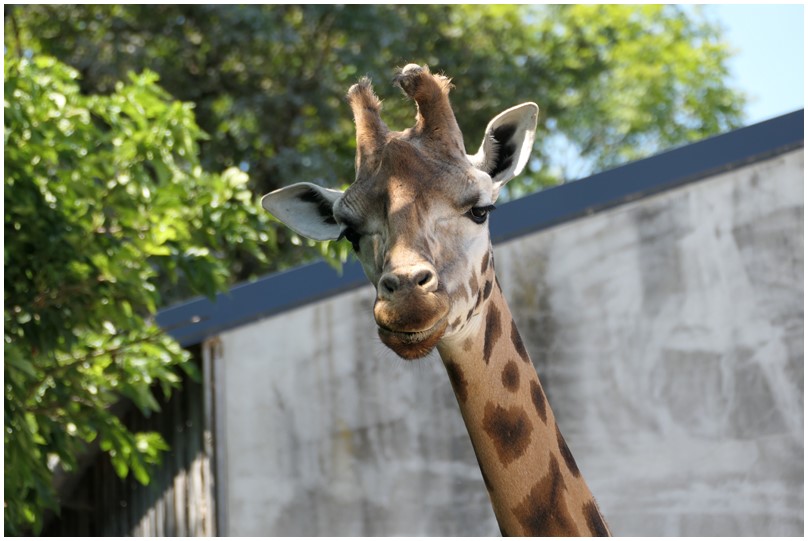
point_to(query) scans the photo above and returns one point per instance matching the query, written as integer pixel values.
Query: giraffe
(416, 216)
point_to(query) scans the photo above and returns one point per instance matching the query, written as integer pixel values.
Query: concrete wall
(668, 333)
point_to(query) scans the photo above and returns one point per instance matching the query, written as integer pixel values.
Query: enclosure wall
(668, 333)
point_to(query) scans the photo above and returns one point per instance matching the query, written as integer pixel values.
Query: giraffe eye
(480, 214)
(351, 236)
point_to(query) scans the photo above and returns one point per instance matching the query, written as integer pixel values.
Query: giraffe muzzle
(411, 320)
(414, 345)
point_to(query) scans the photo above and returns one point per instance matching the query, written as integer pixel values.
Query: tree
(105, 204)
(615, 83)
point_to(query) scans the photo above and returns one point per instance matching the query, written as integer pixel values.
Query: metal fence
(179, 499)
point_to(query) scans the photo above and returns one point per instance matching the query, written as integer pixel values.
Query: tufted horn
(371, 130)
(435, 118)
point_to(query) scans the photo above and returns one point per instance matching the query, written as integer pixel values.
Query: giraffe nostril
(426, 280)
(389, 283)
(423, 278)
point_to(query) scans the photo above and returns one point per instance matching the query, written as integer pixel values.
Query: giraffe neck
(534, 484)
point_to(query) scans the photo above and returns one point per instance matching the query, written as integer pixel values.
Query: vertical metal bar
(209, 436)
(213, 364)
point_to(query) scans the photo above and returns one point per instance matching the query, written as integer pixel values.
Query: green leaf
(120, 466)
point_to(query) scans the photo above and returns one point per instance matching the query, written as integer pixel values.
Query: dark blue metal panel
(193, 321)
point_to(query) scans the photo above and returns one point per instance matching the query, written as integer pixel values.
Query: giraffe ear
(507, 144)
(306, 209)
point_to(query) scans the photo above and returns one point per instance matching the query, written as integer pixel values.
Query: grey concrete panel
(669, 335)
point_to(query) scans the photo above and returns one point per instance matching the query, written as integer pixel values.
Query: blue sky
(768, 64)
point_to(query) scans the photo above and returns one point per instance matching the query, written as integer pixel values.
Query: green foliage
(106, 207)
(615, 83)
(635, 80)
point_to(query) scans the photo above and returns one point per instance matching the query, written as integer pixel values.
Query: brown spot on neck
(539, 400)
(567, 454)
(493, 331)
(594, 520)
(458, 380)
(474, 285)
(468, 342)
(509, 430)
(484, 265)
(463, 294)
(487, 289)
(543, 512)
(516, 338)
(510, 376)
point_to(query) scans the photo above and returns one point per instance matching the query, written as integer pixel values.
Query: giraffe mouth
(414, 345)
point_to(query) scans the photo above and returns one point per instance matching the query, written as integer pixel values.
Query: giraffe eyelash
(480, 214)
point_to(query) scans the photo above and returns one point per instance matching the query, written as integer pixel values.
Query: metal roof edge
(193, 321)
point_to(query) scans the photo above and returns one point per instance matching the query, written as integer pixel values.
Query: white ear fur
(306, 209)
(507, 143)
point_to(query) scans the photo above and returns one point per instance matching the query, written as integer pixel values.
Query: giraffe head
(417, 211)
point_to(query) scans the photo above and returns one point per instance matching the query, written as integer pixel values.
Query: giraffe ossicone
(416, 216)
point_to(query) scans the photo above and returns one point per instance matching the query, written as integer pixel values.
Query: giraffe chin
(414, 345)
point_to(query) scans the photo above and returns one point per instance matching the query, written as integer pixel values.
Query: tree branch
(9, 12)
